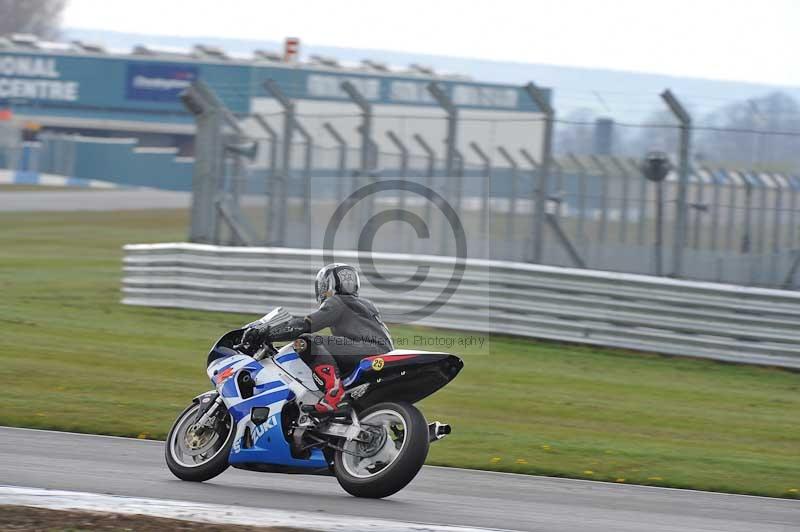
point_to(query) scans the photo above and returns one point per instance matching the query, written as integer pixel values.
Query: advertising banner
(159, 82)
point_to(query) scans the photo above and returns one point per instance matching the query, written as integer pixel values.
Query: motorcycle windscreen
(224, 346)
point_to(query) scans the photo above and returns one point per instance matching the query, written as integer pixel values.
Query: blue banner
(158, 82)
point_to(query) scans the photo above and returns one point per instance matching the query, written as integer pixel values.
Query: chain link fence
(390, 189)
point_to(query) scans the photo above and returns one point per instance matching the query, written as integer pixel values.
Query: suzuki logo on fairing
(264, 427)
(257, 432)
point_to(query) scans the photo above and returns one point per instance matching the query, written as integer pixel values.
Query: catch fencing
(517, 202)
(707, 320)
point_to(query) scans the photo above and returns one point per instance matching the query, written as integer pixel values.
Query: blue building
(127, 122)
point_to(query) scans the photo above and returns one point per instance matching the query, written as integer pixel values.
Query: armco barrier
(723, 322)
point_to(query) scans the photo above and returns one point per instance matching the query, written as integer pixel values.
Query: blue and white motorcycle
(254, 418)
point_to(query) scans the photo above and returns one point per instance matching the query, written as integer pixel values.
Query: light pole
(655, 167)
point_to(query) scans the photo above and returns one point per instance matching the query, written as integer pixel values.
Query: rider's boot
(327, 376)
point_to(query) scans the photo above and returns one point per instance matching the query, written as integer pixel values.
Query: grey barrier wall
(647, 313)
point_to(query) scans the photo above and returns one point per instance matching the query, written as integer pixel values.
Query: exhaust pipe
(437, 431)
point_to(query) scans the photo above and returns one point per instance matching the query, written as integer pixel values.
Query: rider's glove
(255, 336)
(289, 330)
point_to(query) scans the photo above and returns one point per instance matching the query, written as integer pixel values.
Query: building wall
(136, 94)
(489, 129)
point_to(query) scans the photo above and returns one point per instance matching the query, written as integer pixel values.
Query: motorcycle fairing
(288, 360)
(269, 444)
(271, 388)
(367, 364)
(403, 375)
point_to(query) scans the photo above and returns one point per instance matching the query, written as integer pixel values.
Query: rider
(356, 325)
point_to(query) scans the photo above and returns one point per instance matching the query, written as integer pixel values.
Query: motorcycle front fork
(209, 404)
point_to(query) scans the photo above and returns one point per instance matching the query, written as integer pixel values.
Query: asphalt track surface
(129, 467)
(92, 200)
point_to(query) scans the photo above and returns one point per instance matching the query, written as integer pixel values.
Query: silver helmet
(336, 279)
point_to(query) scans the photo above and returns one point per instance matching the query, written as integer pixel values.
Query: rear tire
(209, 466)
(404, 465)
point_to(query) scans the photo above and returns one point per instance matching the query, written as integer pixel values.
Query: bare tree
(39, 17)
(761, 133)
(659, 131)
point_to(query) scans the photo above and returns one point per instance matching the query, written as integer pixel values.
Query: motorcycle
(254, 419)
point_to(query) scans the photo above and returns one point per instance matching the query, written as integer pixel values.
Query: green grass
(73, 358)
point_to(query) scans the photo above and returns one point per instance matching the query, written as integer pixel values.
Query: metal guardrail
(706, 320)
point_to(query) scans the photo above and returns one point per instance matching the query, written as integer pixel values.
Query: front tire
(198, 457)
(398, 454)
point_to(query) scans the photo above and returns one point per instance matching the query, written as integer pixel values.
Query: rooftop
(207, 53)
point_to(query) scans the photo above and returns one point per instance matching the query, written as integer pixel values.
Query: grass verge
(73, 358)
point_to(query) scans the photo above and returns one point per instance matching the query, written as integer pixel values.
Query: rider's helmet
(336, 279)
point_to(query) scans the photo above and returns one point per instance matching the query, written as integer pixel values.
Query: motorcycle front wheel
(198, 454)
(393, 456)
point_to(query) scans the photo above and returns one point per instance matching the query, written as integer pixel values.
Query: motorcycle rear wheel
(198, 457)
(396, 457)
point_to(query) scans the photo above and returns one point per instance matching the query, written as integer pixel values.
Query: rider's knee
(303, 345)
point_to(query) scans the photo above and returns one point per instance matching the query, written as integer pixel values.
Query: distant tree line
(38, 17)
(761, 133)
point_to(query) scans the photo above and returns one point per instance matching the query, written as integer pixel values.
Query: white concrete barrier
(707, 320)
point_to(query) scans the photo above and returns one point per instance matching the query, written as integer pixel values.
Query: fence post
(366, 124)
(429, 171)
(558, 191)
(401, 147)
(699, 207)
(534, 184)
(626, 178)
(683, 179)
(606, 176)
(273, 142)
(659, 239)
(273, 165)
(761, 221)
(732, 206)
(446, 104)
(541, 101)
(794, 183)
(460, 172)
(777, 212)
(487, 170)
(403, 170)
(367, 150)
(780, 185)
(209, 159)
(341, 171)
(512, 198)
(715, 207)
(286, 158)
(307, 162)
(745, 246)
(582, 171)
(640, 237)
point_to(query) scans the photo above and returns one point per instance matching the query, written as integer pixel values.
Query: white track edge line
(212, 513)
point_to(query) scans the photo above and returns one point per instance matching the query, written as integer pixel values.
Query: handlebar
(260, 351)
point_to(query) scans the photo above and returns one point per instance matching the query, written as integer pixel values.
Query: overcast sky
(747, 40)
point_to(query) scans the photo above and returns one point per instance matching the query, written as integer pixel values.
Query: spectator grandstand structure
(82, 88)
